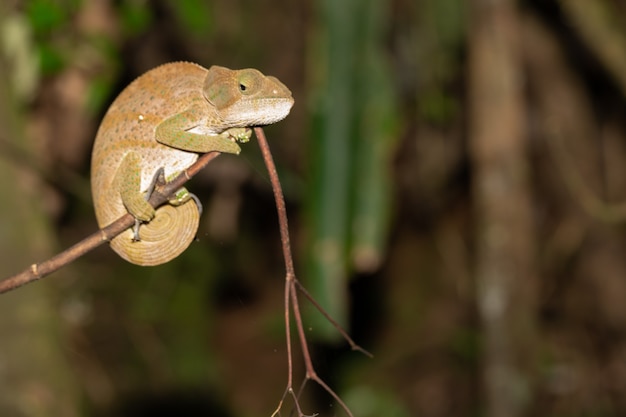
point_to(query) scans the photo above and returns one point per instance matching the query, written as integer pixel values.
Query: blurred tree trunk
(34, 376)
(504, 234)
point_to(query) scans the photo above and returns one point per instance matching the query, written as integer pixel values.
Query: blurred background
(456, 184)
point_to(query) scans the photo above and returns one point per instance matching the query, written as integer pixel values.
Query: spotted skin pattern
(165, 119)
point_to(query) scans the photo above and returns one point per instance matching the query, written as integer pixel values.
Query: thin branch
(160, 196)
(332, 321)
(280, 201)
(291, 287)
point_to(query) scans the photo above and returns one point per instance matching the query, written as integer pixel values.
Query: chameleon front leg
(174, 132)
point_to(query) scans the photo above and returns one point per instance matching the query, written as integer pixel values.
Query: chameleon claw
(136, 237)
(159, 177)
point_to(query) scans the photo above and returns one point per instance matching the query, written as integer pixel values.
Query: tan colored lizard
(163, 120)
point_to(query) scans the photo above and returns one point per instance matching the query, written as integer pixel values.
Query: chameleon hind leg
(159, 235)
(128, 182)
(180, 197)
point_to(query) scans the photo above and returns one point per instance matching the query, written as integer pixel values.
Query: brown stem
(332, 321)
(291, 287)
(280, 201)
(159, 197)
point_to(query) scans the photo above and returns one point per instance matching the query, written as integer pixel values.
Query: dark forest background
(455, 174)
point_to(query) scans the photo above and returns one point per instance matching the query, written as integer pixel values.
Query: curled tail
(166, 236)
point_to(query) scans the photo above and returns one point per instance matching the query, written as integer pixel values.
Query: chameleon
(159, 124)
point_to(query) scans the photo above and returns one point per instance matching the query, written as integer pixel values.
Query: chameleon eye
(249, 81)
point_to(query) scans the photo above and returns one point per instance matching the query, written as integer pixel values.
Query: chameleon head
(244, 98)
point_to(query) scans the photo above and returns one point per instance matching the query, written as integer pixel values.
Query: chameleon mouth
(259, 112)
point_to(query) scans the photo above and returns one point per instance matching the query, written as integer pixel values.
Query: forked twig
(291, 296)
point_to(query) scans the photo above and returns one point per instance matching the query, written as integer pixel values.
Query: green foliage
(354, 127)
(51, 59)
(194, 15)
(47, 18)
(135, 16)
(377, 128)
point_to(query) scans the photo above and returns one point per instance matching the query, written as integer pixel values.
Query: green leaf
(45, 15)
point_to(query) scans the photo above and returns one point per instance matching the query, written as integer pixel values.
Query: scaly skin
(164, 119)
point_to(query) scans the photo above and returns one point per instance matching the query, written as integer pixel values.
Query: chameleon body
(164, 120)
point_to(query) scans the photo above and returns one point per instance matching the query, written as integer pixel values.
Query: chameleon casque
(164, 120)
